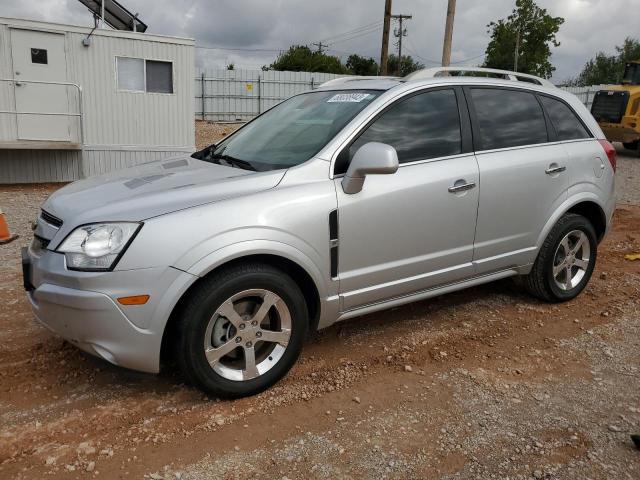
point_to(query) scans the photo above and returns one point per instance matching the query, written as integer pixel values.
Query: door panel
(406, 232)
(517, 197)
(40, 56)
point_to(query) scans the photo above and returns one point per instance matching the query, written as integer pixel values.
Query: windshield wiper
(233, 161)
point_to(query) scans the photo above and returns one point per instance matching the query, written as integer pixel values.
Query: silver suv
(359, 196)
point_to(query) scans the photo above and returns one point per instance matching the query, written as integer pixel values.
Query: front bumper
(82, 307)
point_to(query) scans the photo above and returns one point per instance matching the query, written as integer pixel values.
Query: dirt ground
(484, 383)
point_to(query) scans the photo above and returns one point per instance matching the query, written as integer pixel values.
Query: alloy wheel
(571, 260)
(247, 335)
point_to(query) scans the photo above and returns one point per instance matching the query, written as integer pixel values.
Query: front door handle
(553, 168)
(461, 186)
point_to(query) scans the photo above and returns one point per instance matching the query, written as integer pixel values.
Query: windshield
(632, 74)
(292, 132)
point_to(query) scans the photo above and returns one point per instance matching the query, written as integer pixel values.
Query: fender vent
(333, 242)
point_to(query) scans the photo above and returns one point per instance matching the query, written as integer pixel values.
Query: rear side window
(508, 118)
(564, 120)
(419, 127)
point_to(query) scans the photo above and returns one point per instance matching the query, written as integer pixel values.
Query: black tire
(206, 298)
(540, 282)
(631, 145)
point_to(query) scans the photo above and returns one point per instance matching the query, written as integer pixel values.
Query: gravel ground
(210, 132)
(484, 383)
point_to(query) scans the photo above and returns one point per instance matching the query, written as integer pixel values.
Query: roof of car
(441, 75)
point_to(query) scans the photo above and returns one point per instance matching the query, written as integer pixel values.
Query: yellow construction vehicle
(617, 109)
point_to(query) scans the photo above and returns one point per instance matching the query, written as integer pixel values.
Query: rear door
(587, 160)
(414, 229)
(523, 175)
(40, 56)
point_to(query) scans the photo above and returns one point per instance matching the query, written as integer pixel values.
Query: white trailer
(77, 101)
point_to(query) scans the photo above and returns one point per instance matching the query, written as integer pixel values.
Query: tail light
(611, 153)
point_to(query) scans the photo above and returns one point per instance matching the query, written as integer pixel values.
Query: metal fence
(585, 94)
(239, 95)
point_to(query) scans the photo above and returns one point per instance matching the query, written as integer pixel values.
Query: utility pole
(320, 46)
(384, 54)
(400, 32)
(448, 33)
(516, 53)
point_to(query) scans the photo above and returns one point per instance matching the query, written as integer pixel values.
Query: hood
(153, 189)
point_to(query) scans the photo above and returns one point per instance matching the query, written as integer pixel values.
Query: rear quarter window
(564, 120)
(508, 118)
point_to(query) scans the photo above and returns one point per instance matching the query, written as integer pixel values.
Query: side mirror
(372, 158)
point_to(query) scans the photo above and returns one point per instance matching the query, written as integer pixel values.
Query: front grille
(609, 105)
(50, 219)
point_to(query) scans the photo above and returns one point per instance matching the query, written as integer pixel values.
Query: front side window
(292, 132)
(508, 118)
(564, 120)
(140, 75)
(420, 127)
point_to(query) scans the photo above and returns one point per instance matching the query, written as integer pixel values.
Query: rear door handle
(461, 186)
(557, 169)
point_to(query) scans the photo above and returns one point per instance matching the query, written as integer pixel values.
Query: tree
(231, 66)
(300, 58)
(534, 30)
(608, 69)
(359, 65)
(407, 65)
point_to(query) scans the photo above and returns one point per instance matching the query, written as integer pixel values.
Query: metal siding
(115, 117)
(121, 128)
(7, 102)
(36, 166)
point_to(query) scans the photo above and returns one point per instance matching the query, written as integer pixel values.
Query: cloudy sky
(249, 33)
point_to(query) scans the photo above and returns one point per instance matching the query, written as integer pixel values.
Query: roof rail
(504, 74)
(341, 80)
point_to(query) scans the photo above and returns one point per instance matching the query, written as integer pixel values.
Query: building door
(40, 56)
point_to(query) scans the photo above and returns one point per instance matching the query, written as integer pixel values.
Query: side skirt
(424, 294)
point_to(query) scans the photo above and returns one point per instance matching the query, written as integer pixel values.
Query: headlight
(97, 246)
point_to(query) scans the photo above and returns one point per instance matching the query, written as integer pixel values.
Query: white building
(76, 102)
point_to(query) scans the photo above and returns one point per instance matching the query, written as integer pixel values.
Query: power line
(362, 34)
(349, 32)
(470, 58)
(240, 49)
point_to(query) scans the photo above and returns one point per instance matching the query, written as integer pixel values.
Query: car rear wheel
(241, 330)
(566, 260)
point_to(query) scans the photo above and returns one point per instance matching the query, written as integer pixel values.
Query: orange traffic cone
(5, 235)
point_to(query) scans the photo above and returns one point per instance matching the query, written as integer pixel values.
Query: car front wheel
(241, 330)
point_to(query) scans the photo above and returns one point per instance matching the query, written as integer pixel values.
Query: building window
(140, 75)
(39, 55)
(159, 77)
(130, 74)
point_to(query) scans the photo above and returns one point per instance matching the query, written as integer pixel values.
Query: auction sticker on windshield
(349, 97)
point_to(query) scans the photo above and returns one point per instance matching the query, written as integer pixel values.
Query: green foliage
(608, 69)
(300, 58)
(359, 65)
(537, 31)
(407, 65)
